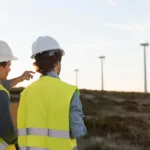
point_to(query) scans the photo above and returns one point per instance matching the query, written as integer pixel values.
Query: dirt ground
(115, 120)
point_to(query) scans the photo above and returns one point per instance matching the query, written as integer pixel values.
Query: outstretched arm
(9, 84)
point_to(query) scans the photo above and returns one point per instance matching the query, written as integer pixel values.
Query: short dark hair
(45, 63)
(3, 64)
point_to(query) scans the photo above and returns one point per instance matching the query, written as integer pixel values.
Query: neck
(55, 70)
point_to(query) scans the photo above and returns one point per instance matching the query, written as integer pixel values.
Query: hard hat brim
(8, 59)
(63, 53)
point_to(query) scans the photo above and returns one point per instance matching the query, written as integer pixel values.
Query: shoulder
(32, 85)
(6, 84)
(3, 92)
(75, 97)
(68, 85)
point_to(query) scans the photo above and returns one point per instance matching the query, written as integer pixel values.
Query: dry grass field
(115, 120)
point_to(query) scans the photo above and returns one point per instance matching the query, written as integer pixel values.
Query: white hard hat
(6, 52)
(45, 43)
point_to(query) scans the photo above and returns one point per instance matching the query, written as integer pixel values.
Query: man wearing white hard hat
(50, 115)
(8, 134)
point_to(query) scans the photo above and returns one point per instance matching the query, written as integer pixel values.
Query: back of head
(47, 61)
(47, 54)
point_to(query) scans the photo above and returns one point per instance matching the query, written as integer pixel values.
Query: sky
(85, 29)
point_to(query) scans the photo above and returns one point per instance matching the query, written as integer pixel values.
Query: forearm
(77, 126)
(15, 81)
(27, 75)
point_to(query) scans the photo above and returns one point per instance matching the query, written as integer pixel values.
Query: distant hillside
(15, 94)
(16, 90)
(115, 120)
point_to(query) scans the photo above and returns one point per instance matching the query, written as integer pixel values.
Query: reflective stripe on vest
(32, 148)
(37, 148)
(75, 148)
(3, 145)
(44, 132)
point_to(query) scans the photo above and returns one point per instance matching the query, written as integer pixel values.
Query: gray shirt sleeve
(6, 84)
(77, 127)
(7, 131)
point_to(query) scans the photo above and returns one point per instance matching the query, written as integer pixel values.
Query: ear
(59, 64)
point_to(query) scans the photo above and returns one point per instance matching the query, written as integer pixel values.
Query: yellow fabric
(2, 88)
(10, 147)
(45, 104)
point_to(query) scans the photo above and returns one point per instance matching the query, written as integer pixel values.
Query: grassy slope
(115, 120)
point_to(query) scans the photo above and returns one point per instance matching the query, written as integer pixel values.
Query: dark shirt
(7, 130)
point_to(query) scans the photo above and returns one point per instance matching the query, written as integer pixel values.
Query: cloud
(138, 27)
(131, 27)
(111, 3)
(119, 26)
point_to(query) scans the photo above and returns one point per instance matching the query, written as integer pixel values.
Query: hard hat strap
(49, 52)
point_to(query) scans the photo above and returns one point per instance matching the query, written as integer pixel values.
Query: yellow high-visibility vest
(43, 116)
(3, 144)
